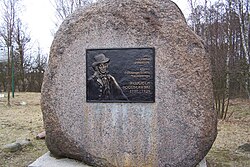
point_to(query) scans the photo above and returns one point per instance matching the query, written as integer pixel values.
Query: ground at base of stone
(25, 122)
(48, 160)
(21, 122)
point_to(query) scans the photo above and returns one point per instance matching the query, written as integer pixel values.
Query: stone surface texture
(176, 131)
(12, 147)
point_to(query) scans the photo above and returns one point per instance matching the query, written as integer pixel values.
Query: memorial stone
(129, 84)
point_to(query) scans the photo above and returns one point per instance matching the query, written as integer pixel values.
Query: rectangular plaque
(124, 75)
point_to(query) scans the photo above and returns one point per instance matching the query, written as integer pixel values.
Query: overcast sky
(39, 16)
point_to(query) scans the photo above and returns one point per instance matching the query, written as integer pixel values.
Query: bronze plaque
(124, 75)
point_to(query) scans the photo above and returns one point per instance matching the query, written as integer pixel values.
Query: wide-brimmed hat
(100, 58)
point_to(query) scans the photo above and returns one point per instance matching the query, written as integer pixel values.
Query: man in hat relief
(101, 85)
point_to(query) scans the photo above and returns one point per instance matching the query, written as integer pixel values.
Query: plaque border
(119, 101)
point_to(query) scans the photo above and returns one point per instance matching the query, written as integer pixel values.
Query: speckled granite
(177, 130)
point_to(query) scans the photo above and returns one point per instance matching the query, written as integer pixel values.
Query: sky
(39, 17)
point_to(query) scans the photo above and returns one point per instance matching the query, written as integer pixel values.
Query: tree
(3, 68)
(193, 15)
(10, 8)
(22, 38)
(244, 24)
(226, 31)
(66, 7)
(35, 68)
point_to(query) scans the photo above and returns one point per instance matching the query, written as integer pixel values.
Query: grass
(21, 122)
(232, 133)
(25, 122)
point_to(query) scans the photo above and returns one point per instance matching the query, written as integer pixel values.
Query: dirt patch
(23, 120)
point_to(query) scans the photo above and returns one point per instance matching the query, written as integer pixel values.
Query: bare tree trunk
(21, 38)
(9, 8)
(8, 76)
(248, 44)
(193, 17)
(226, 110)
(244, 40)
